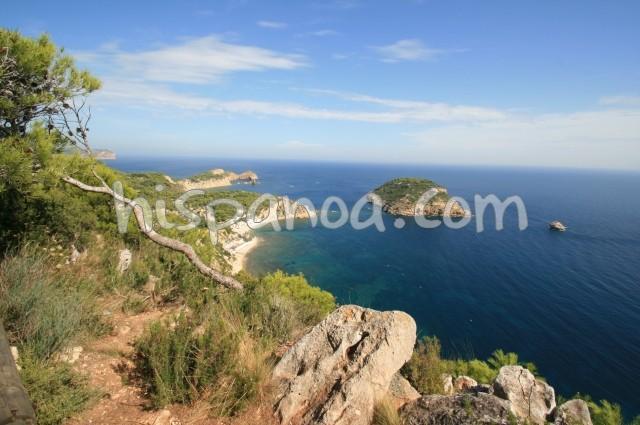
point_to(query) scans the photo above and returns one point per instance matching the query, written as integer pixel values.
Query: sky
(510, 83)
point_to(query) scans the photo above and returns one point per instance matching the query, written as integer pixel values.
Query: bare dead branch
(165, 241)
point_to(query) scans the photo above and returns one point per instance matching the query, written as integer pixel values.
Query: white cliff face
(336, 373)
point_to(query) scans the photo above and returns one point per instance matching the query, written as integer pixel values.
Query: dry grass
(385, 413)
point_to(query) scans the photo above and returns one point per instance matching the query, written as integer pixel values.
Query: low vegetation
(56, 390)
(208, 175)
(426, 367)
(385, 413)
(407, 189)
(45, 313)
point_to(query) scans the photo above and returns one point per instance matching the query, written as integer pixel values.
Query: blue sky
(451, 82)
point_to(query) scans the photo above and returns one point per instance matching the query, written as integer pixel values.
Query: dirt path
(107, 362)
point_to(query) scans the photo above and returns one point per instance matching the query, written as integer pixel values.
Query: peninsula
(217, 178)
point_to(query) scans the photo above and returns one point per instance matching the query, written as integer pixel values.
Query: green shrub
(476, 369)
(313, 303)
(278, 306)
(499, 358)
(425, 368)
(44, 311)
(182, 362)
(57, 392)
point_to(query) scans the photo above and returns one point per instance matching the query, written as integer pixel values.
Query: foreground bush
(425, 368)
(57, 392)
(43, 312)
(182, 362)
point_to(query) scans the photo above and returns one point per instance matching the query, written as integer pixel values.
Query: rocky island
(400, 196)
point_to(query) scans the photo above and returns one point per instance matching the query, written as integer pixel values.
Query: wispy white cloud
(324, 33)
(621, 100)
(197, 61)
(274, 25)
(406, 50)
(341, 56)
(420, 110)
(398, 111)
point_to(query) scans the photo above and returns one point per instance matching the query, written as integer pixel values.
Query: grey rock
(337, 372)
(573, 412)
(124, 260)
(531, 399)
(401, 391)
(459, 409)
(464, 383)
(447, 384)
(71, 354)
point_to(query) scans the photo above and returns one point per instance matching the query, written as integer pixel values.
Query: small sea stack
(557, 226)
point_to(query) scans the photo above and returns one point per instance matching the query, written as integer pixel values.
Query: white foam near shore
(241, 252)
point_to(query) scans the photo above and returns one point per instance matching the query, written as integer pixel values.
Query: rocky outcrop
(435, 208)
(337, 372)
(464, 383)
(460, 409)
(280, 211)
(401, 391)
(530, 398)
(573, 412)
(557, 226)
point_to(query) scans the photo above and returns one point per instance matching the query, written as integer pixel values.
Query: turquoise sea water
(569, 302)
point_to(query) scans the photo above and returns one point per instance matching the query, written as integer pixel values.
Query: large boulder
(573, 412)
(459, 409)
(337, 372)
(401, 391)
(531, 399)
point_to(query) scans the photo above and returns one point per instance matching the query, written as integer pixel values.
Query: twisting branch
(165, 241)
(58, 98)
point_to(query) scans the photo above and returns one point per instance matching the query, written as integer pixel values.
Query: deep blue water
(569, 302)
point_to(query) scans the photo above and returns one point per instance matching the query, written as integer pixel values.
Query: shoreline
(241, 254)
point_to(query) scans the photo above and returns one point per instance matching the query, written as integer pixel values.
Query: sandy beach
(241, 252)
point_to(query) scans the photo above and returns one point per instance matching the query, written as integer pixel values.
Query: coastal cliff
(401, 195)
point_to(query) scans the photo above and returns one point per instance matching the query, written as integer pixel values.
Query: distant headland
(217, 177)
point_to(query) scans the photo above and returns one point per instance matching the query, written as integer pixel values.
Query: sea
(567, 301)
